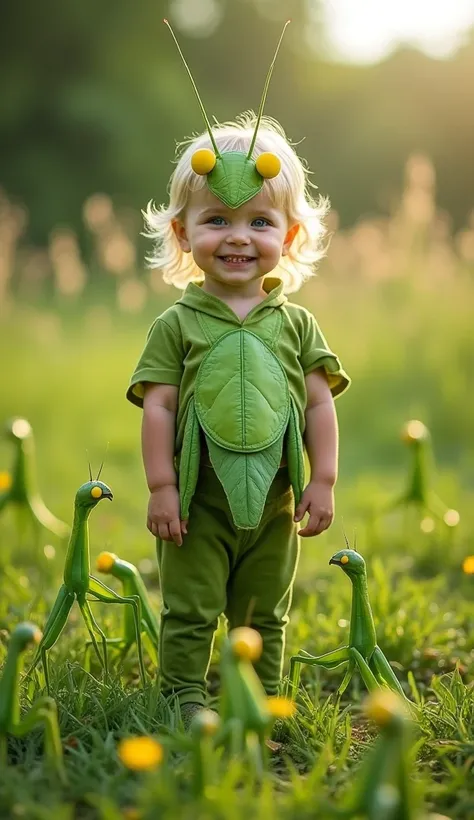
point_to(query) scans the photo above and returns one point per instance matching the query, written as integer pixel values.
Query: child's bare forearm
(321, 440)
(158, 433)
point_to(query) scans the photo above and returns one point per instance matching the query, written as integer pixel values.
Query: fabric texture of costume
(242, 390)
(241, 385)
(247, 574)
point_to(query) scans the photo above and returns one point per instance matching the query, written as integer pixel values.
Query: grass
(405, 337)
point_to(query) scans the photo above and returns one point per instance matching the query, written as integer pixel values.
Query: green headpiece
(233, 176)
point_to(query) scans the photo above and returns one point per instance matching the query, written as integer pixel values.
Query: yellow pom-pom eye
(345, 559)
(268, 165)
(246, 643)
(382, 706)
(96, 492)
(105, 561)
(203, 161)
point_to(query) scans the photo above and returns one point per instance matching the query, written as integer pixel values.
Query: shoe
(189, 712)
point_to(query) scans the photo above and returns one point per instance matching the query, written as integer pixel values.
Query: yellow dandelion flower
(383, 705)
(468, 565)
(5, 481)
(140, 754)
(280, 707)
(246, 643)
(105, 561)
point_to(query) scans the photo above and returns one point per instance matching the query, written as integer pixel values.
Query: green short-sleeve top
(182, 335)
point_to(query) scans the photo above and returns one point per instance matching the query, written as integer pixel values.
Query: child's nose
(238, 236)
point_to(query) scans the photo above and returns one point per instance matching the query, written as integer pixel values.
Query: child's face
(234, 246)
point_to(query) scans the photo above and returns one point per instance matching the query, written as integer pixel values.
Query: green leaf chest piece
(242, 404)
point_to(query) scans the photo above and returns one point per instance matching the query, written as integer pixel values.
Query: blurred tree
(94, 98)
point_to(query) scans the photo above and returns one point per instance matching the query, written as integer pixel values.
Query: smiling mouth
(236, 260)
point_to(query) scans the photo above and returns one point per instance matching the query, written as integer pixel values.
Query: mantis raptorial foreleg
(330, 660)
(54, 626)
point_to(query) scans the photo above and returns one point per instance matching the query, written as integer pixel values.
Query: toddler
(234, 381)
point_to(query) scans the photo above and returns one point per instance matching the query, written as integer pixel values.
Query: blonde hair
(289, 191)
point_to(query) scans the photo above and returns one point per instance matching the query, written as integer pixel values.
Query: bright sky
(366, 30)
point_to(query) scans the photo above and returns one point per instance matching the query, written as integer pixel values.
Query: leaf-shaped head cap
(234, 177)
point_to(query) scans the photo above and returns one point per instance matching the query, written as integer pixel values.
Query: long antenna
(265, 89)
(100, 469)
(348, 546)
(89, 463)
(206, 120)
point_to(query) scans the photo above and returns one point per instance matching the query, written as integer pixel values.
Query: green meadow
(394, 298)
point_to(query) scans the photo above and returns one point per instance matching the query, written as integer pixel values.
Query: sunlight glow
(367, 30)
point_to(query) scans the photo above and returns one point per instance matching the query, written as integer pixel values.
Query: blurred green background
(94, 98)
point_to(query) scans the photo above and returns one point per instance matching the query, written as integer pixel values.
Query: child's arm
(158, 433)
(321, 440)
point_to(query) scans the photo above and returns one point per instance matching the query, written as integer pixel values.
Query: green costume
(242, 389)
(241, 549)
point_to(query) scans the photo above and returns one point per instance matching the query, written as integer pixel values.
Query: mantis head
(24, 634)
(18, 429)
(234, 177)
(90, 493)
(350, 561)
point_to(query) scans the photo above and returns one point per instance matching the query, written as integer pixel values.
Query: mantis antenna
(89, 463)
(201, 105)
(100, 468)
(265, 89)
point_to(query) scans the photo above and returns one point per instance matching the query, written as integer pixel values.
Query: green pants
(247, 574)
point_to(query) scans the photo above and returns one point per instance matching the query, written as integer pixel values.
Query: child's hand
(318, 501)
(163, 515)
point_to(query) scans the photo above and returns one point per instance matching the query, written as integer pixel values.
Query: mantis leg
(381, 666)
(45, 711)
(108, 596)
(330, 660)
(346, 679)
(92, 626)
(366, 673)
(54, 626)
(149, 641)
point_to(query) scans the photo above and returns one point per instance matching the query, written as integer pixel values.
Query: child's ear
(181, 236)
(289, 239)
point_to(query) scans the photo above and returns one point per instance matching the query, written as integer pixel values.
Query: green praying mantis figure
(43, 712)
(418, 492)
(80, 585)
(132, 586)
(382, 787)
(20, 488)
(246, 713)
(362, 652)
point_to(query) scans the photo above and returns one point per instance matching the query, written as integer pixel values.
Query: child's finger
(175, 532)
(311, 527)
(301, 510)
(184, 526)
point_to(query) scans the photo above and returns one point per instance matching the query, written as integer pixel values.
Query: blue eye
(216, 220)
(260, 222)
